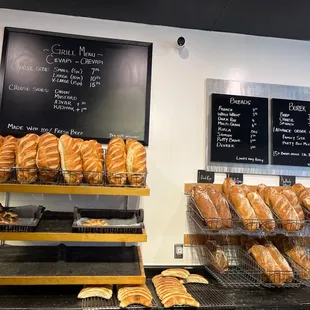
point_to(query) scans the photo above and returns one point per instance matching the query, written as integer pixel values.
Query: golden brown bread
(281, 261)
(71, 161)
(245, 188)
(262, 211)
(244, 208)
(196, 278)
(227, 185)
(8, 217)
(176, 272)
(303, 196)
(179, 300)
(136, 163)
(297, 188)
(7, 157)
(92, 161)
(116, 161)
(48, 157)
(206, 208)
(268, 264)
(103, 291)
(133, 290)
(221, 206)
(136, 299)
(219, 259)
(1, 141)
(26, 153)
(95, 222)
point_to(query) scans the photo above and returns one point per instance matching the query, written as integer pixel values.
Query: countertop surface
(65, 297)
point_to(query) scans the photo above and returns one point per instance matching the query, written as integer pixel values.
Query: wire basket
(125, 179)
(199, 221)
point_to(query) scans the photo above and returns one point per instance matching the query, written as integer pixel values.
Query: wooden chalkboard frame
(149, 45)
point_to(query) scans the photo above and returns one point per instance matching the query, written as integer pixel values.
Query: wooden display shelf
(75, 190)
(39, 266)
(73, 237)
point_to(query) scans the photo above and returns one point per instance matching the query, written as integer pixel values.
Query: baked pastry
(8, 217)
(196, 278)
(26, 153)
(137, 294)
(206, 208)
(71, 162)
(102, 291)
(136, 163)
(176, 272)
(95, 222)
(227, 185)
(262, 211)
(116, 161)
(221, 206)
(48, 157)
(7, 157)
(244, 208)
(268, 264)
(92, 161)
(303, 195)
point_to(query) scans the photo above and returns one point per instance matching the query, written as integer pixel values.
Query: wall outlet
(178, 251)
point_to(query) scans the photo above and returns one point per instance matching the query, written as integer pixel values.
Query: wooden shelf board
(76, 190)
(73, 237)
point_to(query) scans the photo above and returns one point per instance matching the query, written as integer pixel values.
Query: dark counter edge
(64, 297)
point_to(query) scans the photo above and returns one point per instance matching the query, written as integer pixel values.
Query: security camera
(181, 42)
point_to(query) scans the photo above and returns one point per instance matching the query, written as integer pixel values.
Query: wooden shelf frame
(74, 190)
(73, 237)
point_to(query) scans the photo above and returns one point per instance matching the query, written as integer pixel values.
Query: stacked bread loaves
(126, 161)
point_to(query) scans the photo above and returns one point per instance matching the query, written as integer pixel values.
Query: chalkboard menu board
(290, 132)
(86, 87)
(239, 132)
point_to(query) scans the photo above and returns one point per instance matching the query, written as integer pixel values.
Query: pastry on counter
(135, 162)
(175, 272)
(8, 217)
(7, 157)
(95, 222)
(92, 160)
(116, 161)
(102, 291)
(71, 162)
(26, 153)
(196, 278)
(48, 157)
(134, 294)
(172, 292)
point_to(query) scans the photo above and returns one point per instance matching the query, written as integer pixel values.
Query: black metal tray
(28, 219)
(119, 216)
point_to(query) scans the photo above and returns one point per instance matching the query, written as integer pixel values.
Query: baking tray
(28, 218)
(119, 221)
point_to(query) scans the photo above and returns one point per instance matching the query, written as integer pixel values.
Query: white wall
(177, 128)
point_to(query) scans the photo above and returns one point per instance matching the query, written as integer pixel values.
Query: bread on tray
(176, 272)
(134, 294)
(102, 291)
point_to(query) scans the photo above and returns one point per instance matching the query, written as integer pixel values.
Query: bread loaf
(136, 163)
(221, 206)
(48, 157)
(245, 188)
(1, 141)
(227, 185)
(71, 162)
(243, 207)
(136, 299)
(262, 211)
(102, 291)
(175, 272)
(268, 264)
(7, 157)
(92, 161)
(116, 162)
(298, 188)
(219, 259)
(304, 198)
(207, 209)
(26, 153)
(196, 278)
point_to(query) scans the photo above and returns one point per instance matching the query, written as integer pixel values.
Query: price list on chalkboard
(239, 130)
(290, 132)
(85, 87)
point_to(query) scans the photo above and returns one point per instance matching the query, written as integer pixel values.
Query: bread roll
(243, 207)
(304, 198)
(7, 157)
(175, 272)
(268, 264)
(92, 161)
(136, 163)
(196, 278)
(134, 300)
(26, 153)
(71, 162)
(116, 161)
(227, 185)
(262, 211)
(207, 209)
(48, 157)
(221, 206)
(102, 291)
